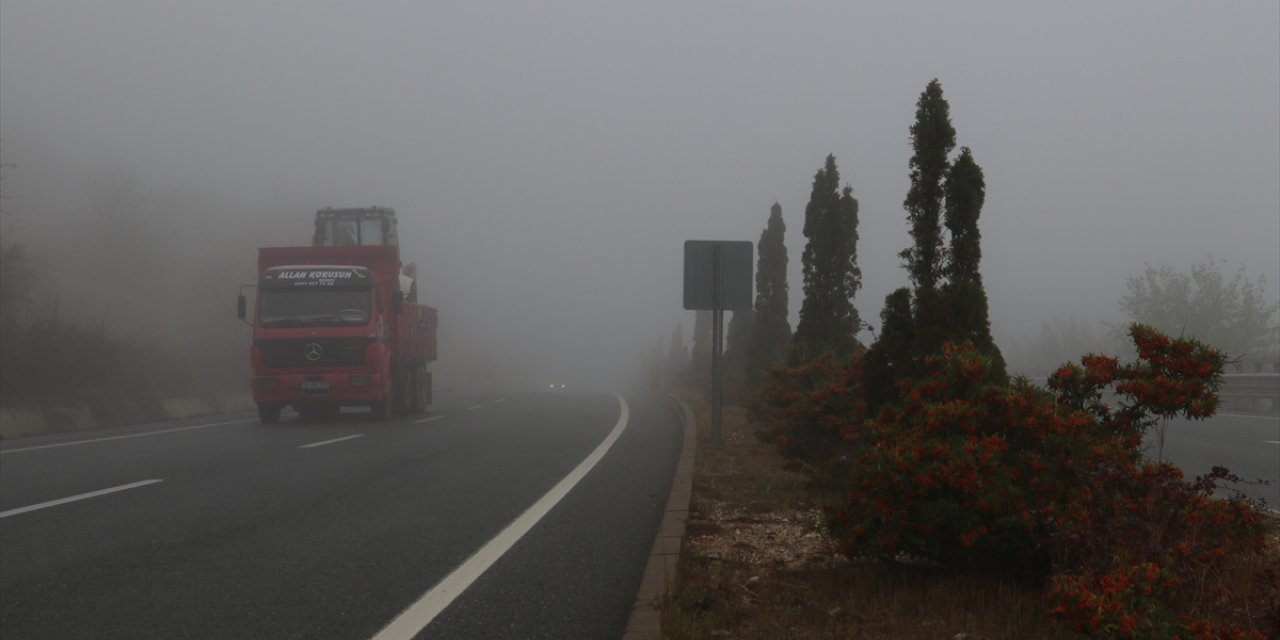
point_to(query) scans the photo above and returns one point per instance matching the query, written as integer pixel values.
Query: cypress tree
(772, 330)
(678, 356)
(966, 298)
(932, 139)
(828, 319)
(892, 357)
(947, 302)
(657, 366)
(966, 191)
(701, 358)
(741, 325)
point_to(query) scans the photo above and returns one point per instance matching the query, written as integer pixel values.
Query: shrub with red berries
(1043, 484)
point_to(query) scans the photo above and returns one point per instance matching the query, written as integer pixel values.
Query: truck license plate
(313, 385)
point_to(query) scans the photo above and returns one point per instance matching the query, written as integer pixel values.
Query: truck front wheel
(269, 413)
(383, 410)
(420, 393)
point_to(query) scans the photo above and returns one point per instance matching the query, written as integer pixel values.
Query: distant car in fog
(557, 386)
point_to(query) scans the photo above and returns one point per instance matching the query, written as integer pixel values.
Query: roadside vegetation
(759, 561)
(58, 362)
(911, 488)
(103, 315)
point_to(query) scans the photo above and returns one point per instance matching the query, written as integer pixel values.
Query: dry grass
(758, 563)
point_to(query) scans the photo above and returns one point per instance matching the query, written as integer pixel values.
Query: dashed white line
(420, 614)
(431, 419)
(324, 442)
(500, 401)
(473, 408)
(132, 435)
(82, 496)
(1272, 441)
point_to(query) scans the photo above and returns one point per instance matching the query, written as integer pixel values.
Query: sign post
(717, 276)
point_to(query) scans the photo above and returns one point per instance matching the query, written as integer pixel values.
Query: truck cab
(348, 227)
(337, 323)
(370, 226)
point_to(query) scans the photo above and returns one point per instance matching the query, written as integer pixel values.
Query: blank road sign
(700, 272)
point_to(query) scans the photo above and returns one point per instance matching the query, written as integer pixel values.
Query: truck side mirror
(240, 306)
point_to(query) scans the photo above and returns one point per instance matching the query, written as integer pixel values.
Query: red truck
(337, 323)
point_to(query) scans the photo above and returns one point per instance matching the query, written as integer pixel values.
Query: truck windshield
(371, 231)
(313, 308)
(342, 231)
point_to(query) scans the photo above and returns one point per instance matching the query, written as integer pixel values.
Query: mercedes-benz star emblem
(313, 351)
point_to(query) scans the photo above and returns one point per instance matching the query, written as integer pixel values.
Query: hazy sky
(548, 159)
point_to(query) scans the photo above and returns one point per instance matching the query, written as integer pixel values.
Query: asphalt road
(1248, 446)
(333, 529)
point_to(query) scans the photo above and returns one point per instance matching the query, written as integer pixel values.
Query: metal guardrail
(1250, 393)
(1253, 393)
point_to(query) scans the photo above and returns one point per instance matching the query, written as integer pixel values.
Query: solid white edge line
(431, 419)
(479, 406)
(322, 443)
(132, 435)
(82, 496)
(1272, 441)
(414, 619)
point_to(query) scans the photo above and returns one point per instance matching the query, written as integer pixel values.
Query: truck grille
(313, 352)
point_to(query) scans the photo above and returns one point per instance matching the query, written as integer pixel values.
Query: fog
(547, 160)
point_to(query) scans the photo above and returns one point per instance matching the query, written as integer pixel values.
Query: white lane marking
(413, 620)
(500, 401)
(132, 435)
(479, 406)
(432, 418)
(324, 442)
(1272, 441)
(83, 496)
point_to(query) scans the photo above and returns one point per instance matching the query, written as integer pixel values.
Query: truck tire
(421, 389)
(269, 413)
(402, 393)
(383, 410)
(415, 397)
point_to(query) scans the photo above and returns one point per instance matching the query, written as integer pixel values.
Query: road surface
(1249, 446)
(225, 528)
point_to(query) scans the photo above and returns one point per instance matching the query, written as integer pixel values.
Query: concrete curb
(660, 571)
(23, 423)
